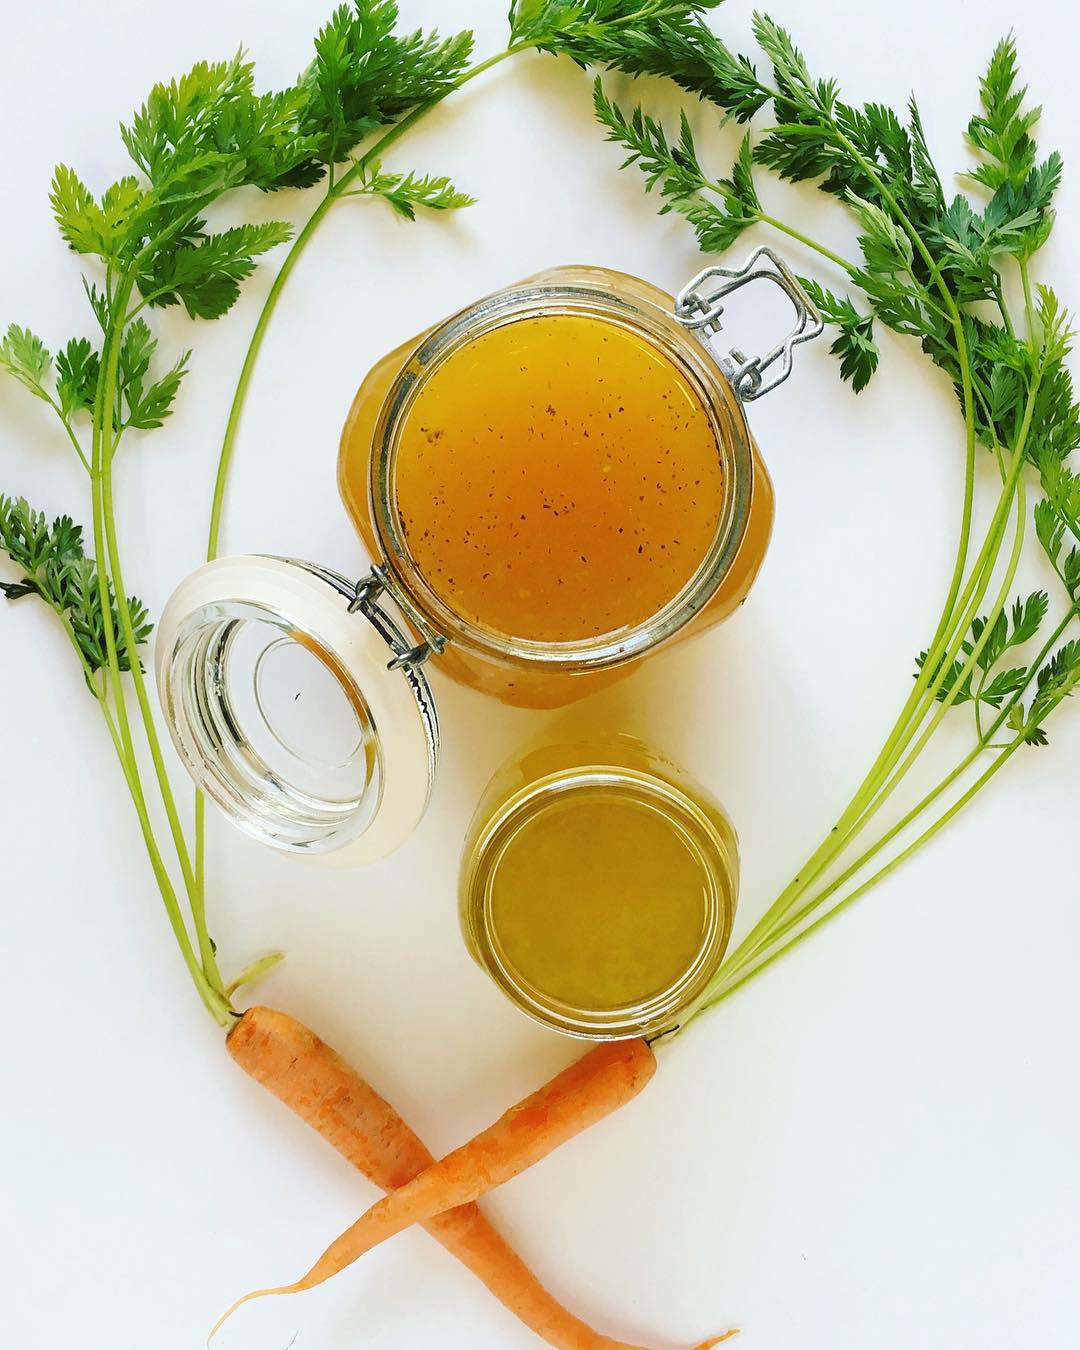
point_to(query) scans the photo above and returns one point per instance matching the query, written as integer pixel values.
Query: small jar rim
(652, 1015)
(693, 360)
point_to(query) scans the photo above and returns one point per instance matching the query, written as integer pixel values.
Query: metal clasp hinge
(698, 307)
(367, 593)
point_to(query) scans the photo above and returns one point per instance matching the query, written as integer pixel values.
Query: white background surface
(875, 1146)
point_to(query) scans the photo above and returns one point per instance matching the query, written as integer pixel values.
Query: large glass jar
(462, 434)
(554, 483)
(598, 887)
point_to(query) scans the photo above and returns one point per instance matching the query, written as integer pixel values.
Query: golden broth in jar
(598, 887)
(558, 478)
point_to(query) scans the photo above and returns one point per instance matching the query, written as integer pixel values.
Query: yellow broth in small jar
(598, 887)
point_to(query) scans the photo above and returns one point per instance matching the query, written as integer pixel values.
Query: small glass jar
(298, 699)
(598, 887)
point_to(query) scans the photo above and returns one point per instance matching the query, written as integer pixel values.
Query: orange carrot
(312, 1080)
(606, 1078)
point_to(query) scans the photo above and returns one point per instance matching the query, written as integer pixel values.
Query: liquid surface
(558, 478)
(599, 900)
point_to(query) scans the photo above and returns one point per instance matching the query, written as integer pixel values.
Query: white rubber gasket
(405, 726)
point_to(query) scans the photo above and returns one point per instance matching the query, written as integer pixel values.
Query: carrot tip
(708, 1345)
(255, 1293)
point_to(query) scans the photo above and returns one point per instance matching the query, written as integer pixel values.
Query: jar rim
(655, 1013)
(694, 362)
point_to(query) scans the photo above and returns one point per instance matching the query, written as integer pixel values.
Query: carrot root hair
(248, 1298)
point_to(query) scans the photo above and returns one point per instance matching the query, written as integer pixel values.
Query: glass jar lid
(297, 705)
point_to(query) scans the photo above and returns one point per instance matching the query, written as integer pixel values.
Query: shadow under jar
(555, 482)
